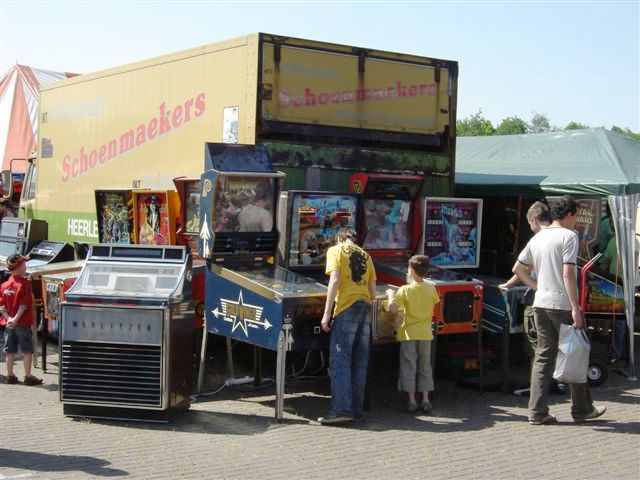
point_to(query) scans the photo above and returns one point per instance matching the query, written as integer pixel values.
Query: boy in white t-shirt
(552, 254)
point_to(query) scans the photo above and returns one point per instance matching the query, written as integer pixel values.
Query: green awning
(578, 162)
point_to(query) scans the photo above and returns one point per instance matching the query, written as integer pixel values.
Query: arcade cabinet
(155, 215)
(308, 223)
(248, 298)
(114, 210)
(392, 233)
(188, 234)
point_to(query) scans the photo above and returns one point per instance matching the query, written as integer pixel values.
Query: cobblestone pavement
(232, 436)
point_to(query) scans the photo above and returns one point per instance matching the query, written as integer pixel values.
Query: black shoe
(335, 420)
(32, 381)
(12, 380)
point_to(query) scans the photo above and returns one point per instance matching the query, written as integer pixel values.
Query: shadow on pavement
(41, 462)
(207, 422)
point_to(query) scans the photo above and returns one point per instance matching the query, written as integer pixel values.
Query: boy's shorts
(18, 337)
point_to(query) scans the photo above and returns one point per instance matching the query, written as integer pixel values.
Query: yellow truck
(318, 107)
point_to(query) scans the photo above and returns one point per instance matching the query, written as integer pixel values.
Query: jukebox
(126, 334)
(248, 298)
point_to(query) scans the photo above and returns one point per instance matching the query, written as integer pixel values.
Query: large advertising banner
(452, 231)
(325, 88)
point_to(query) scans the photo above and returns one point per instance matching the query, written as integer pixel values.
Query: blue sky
(569, 60)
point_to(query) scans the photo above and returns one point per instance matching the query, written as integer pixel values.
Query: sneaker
(546, 420)
(595, 413)
(426, 407)
(12, 380)
(335, 420)
(412, 407)
(32, 381)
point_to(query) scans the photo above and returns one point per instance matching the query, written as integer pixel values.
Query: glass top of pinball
(128, 280)
(283, 282)
(398, 266)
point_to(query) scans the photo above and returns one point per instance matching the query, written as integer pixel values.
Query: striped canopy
(19, 89)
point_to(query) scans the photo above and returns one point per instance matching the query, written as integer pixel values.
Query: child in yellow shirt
(418, 300)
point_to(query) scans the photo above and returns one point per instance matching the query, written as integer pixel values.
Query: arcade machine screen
(244, 204)
(192, 208)
(153, 219)
(387, 223)
(452, 232)
(315, 222)
(114, 216)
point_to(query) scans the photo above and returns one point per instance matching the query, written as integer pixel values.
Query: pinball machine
(114, 211)
(155, 216)
(188, 234)
(392, 226)
(308, 223)
(248, 297)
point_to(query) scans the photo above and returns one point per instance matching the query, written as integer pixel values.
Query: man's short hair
(539, 211)
(346, 234)
(14, 261)
(563, 207)
(420, 265)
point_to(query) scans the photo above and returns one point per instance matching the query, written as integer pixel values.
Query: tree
(539, 123)
(575, 126)
(512, 126)
(626, 132)
(475, 125)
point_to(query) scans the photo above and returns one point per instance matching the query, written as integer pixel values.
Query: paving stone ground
(232, 436)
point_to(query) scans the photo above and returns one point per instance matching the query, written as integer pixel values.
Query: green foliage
(539, 124)
(626, 132)
(474, 126)
(575, 126)
(512, 126)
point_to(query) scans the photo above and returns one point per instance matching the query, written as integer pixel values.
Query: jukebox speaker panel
(112, 355)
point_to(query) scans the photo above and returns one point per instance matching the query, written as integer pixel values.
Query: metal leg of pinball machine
(203, 357)
(231, 373)
(43, 342)
(284, 340)
(257, 366)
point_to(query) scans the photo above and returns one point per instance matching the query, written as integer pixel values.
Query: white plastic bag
(572, 362)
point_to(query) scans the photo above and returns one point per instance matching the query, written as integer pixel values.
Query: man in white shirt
(552, 254)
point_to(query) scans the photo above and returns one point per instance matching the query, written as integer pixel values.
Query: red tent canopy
(19, 89)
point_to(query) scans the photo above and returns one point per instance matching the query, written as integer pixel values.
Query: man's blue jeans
(349, 359)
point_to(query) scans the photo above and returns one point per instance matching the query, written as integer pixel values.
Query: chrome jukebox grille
(458, 307)
(116, 374)
(112, 356)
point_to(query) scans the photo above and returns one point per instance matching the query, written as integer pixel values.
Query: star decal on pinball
(241, 315)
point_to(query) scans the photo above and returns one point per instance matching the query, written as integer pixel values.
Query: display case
(114, 210)
(126, 334)
(155, 217)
